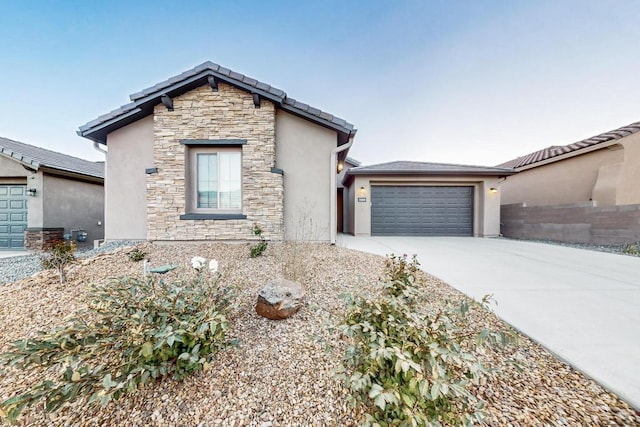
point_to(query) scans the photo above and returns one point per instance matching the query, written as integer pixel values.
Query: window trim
(191, 181)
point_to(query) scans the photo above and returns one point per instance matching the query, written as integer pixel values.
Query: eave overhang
(352, 173)
(144, 102)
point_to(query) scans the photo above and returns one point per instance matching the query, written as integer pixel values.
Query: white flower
(213, 266)
(198, 262)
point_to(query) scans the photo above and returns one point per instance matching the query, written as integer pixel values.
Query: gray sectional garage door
(13, 216)
(421, 211)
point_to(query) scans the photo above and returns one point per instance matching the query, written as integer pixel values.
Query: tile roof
(36, 157)
(403, 167)
(142, 102)
(353, 161)
(555, 150)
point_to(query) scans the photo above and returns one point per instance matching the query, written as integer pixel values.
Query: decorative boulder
(279, 299)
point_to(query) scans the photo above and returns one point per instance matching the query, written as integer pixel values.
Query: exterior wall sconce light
(493, 190)
(340, 166)
(362, 191)
(31, 192)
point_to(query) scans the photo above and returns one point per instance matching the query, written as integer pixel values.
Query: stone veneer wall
(42, 239)
(576, 223)
(204, 114)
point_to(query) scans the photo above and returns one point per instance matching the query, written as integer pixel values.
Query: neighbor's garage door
(13, 216)
(421, 211)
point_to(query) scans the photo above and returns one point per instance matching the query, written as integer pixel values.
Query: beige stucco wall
(10, 168)
(596, 176)
(486, 205)
(130, 152)
(73, 205)
(201, 113)
(35, 204)
(303, 151)
(628, 184)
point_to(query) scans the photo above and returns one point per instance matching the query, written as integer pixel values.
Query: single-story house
(208, 153)
(586, 191)
(45, 194)
(424, 199)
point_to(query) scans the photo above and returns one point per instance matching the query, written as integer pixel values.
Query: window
(218, 181)
(214, 178)
(214, 186)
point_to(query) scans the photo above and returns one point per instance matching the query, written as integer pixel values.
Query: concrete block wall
(575, 223)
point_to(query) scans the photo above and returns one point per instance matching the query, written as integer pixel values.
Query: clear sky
(474, 82)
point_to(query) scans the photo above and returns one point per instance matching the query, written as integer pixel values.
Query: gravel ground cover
(613, 249)
(280, 374)
(19, 267)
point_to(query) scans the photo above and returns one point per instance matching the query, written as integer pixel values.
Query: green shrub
(257, 249)
(60, 256)
(134, 332)
(632, 249)
(137, 255)
(409, 364)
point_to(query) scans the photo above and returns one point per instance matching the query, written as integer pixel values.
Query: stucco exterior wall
(130, 152)
(11, 169)
(203, 114)
(593, 176)
(628, 189)
(35, 204)
(303, 151)
(74, 205)
(486, 206)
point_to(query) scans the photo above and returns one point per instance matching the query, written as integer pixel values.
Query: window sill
(212, 216)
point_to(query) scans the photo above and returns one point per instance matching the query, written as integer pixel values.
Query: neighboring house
(207, 154)
(45, 194)
(424, 199)
(582, 192)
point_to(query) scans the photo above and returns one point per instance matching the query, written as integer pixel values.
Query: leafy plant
(632, 249)
(137, 255)
(409, 364)
(134, 332)
(257, 249)
(60, 256)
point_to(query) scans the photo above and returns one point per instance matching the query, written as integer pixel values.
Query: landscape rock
(279, 299)
(283, 372)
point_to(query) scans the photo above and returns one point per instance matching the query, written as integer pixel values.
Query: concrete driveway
(582, 305)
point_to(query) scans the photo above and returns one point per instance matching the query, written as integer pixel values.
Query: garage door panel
(422, 210)
(13, 216)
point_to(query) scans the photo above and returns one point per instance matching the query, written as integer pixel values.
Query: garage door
(421, 211)
(13, 216)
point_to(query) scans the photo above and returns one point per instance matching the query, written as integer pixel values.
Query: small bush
(257, 249)
(632, 249)
(134, 332)
(60, 256)
(412, 365)
(137, 255)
